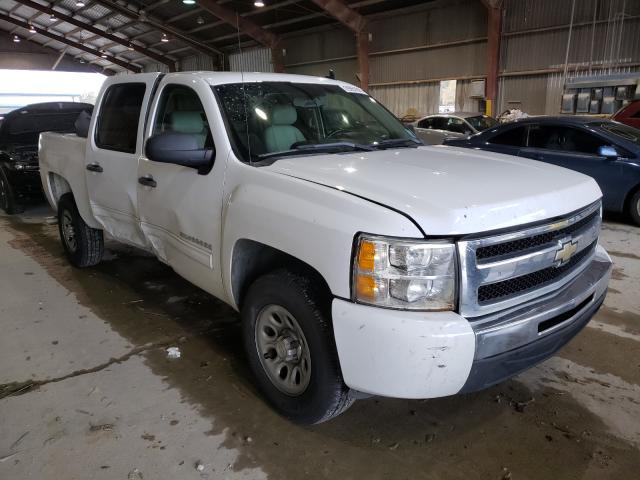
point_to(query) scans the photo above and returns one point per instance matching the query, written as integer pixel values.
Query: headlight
(404, 274)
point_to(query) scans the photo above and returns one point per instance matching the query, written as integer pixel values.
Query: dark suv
(19, 132)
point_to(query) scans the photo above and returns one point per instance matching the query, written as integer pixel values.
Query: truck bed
(62, 170)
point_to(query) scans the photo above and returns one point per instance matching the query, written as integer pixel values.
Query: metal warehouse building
(320, 239)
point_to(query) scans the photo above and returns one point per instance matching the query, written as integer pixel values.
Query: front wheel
(83, 245)
(634, 208)
(289, 344)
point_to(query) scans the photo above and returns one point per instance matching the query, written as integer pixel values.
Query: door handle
(94, 167)
(147, 182)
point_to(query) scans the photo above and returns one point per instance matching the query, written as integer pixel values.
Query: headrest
(187, 122)
(284, 115)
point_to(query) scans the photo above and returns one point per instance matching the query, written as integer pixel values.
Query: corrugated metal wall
(535, 36)
(412, 50)
(409, 53)
(251, 60)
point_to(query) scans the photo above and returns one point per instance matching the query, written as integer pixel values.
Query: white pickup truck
(362, 262)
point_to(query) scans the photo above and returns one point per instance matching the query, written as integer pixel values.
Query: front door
(180, 208)
(113, 152)
(578, 150)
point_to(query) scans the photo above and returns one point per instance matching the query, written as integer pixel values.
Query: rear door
(455, 127)
(431, 130)
(112, 155)
(180, 208)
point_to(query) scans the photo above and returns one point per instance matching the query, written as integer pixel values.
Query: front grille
(506, 288)
(523, 244)
(511, 268)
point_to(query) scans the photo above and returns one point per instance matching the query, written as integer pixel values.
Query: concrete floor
(87, 390)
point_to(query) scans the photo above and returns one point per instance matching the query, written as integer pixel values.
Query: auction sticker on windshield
(352, 89)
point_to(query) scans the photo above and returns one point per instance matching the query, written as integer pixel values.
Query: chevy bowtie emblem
(565, 251)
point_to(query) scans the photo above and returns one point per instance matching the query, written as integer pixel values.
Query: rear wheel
(83, 245)
(634, 208)
(7, 195)
(289, 343)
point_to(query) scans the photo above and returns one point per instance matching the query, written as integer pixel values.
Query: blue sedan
(605, 150)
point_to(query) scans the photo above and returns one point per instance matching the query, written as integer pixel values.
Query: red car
(629, 114)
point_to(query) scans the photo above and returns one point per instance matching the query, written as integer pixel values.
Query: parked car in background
(629, 115)
(19, 132)
(605, 150)
(434, 129)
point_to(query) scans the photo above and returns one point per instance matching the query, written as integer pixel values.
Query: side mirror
(82, 124)
(608, 151)
(179, 149)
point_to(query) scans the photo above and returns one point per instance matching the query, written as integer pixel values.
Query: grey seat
(190, 122)
(281, 134)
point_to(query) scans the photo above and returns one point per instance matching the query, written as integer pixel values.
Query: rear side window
(435, 123)
(567, 139)
(514, 137)
(426, 123)
(117, 125)
(456, 125)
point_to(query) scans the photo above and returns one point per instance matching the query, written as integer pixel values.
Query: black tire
(7, 195)
(634, 208)
(326, 396)
(83, 245)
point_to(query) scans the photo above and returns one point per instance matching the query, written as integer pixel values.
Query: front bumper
(434, 354)
(25, 182)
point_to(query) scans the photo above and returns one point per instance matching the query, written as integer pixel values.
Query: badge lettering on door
(196, 241)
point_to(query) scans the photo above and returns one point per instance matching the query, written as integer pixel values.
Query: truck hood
(448, 190)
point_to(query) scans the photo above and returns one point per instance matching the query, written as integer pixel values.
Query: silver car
(434, 129)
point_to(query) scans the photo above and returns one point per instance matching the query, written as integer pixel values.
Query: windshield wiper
(334, 147)
(398, 142)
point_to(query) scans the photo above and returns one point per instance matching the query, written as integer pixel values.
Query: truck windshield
(271, 119)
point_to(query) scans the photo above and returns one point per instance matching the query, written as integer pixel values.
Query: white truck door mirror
(180, 149)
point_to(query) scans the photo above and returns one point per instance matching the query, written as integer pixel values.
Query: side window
(456, 125)
(514, 137)
(180, 110)
(439, 123)
(117, 125)
(426, 123)
(566, 139)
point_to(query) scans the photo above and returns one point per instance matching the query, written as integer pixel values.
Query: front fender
(311, 222)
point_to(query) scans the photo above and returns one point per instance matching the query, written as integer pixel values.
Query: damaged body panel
(359, 260)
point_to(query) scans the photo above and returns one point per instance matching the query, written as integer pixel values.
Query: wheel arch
(627, 200)
(251, 259)
(57, 186)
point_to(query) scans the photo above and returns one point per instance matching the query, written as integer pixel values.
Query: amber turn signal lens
(366, 256)
(366, 287)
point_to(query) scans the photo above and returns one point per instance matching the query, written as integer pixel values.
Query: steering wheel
(339, 131)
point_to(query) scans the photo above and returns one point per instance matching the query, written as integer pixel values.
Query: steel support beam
(494, 31)
(96, 31)
(358, 24)
(248, 27)
(66, 41)
(160, 25)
